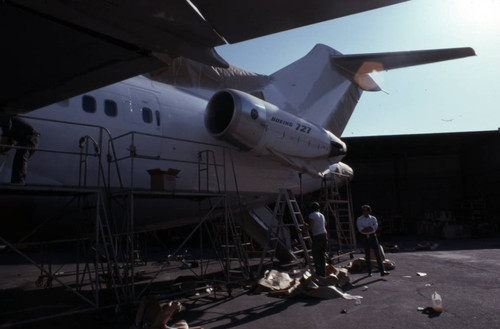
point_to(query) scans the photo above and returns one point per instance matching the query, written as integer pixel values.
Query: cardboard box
(162, 180)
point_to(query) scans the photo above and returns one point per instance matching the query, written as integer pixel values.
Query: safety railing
(88, 146)
(137, 146)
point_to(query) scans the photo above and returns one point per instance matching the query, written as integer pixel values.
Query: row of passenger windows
(89, 105)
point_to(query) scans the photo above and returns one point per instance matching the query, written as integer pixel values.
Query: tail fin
(324, 86)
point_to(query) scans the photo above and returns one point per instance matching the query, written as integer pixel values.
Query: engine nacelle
(236, 117)
(253, 124)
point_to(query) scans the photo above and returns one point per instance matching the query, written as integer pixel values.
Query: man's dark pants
(20, 164)
(371, 242)
(319, 246)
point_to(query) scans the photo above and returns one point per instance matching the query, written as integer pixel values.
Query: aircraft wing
(56, 49)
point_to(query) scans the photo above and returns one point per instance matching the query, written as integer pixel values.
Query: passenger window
(110, 108)
(147, 115)
(88, 104)
(158, 122)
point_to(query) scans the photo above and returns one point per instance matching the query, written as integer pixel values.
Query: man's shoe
(18, 183)
(384, 273)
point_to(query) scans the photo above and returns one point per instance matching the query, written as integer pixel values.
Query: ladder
(234, 250)
(286, 200)
(338, 207)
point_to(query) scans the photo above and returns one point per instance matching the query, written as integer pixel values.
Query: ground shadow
(429, 311)
(241, 317)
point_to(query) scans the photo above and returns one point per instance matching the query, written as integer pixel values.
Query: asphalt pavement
(467, 280)
(465, 273)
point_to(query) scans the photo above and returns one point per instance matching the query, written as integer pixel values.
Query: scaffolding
(107, 252)
(214, 206)
(83, 279)
(107, 196)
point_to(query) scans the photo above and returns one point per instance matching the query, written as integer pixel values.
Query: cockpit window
(147, 115)
(110, 108)
(88, 104)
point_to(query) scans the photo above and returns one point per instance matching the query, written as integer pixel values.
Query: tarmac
(467, 280)
(465, 273)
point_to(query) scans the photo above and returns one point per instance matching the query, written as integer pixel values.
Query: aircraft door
(144, 108)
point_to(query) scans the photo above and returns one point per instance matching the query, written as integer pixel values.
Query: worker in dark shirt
(15, 129)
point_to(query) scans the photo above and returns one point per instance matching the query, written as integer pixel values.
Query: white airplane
(271, 127)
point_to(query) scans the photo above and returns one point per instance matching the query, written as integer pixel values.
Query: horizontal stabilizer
(367, 63)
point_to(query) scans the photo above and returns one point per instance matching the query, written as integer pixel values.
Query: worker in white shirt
(367, 226)
(317, 225)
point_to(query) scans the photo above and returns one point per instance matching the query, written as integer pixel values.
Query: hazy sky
(458, 95)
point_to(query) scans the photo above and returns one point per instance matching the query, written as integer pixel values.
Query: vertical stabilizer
(324, 86)
(315, 90)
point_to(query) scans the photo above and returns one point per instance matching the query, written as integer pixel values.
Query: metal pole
(301, 193)
(226, 218)
(132, 224)
(97, 243)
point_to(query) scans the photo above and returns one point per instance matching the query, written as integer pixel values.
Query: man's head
(366, 209)
(314, 206)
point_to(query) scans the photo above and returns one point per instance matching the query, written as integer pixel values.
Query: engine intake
(236, 117)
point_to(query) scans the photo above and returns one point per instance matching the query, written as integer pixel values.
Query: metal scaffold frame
(82, 195)
(212, 196)
(112, 259)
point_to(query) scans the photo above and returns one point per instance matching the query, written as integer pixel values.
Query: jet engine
(254, 124)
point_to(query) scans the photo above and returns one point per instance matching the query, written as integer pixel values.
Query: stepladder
(287, 214)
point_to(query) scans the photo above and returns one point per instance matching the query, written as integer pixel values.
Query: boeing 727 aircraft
(265, 129)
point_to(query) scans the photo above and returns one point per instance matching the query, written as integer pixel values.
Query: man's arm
(307, 226)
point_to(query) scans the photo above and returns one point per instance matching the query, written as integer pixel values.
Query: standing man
(317, 225)
(367, 226)
(25, 136)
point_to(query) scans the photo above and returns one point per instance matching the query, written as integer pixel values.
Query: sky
(452, 96)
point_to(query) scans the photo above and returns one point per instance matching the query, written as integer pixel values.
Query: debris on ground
(391, 248)
(421, 274)
(302, 283)
(152, 315)
(426, 245)
(358, 265)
